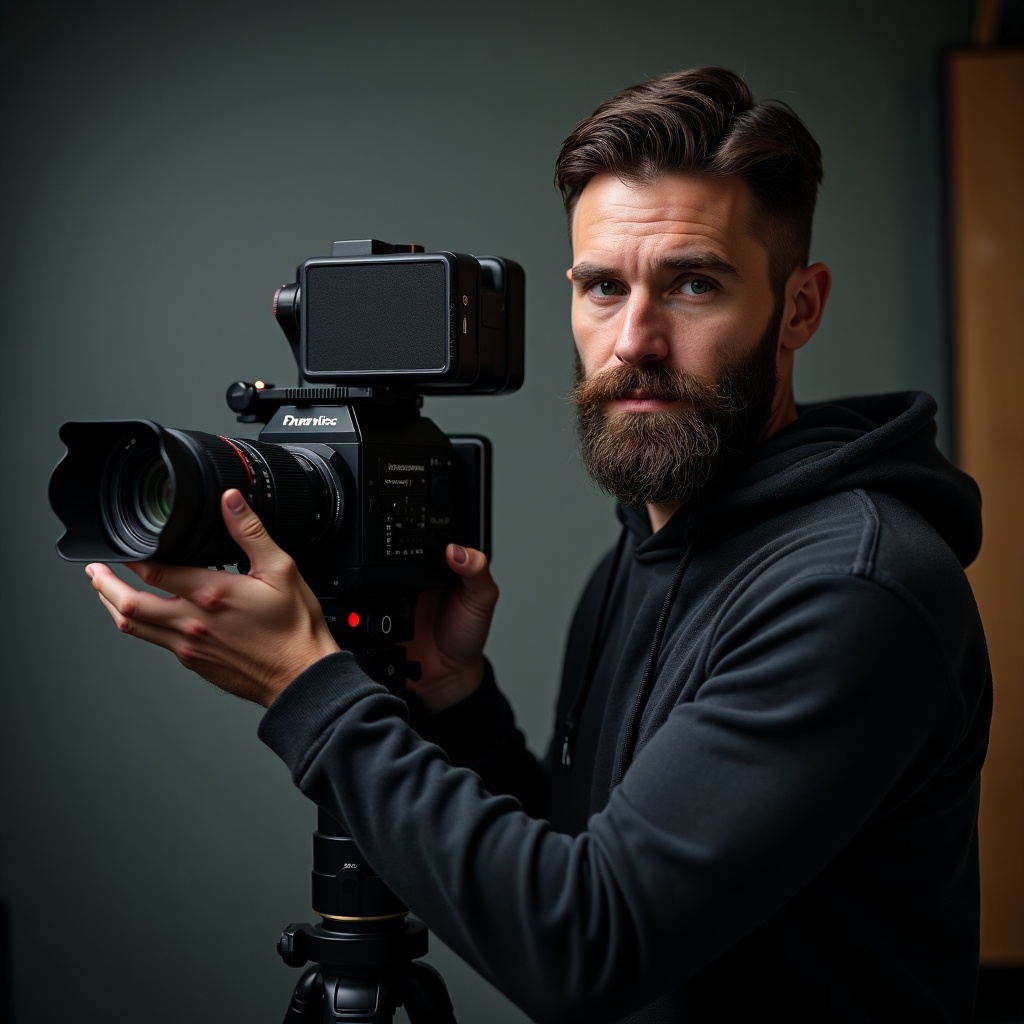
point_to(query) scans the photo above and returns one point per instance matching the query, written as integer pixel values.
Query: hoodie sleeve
(738, 800)
(480, 733)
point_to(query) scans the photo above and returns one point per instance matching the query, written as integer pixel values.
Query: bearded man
(761, 798)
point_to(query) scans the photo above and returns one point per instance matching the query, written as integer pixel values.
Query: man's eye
(605, 288)
(698, 286)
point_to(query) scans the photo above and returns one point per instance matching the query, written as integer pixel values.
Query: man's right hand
(451, 628)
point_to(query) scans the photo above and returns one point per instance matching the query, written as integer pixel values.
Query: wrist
(298, 661)
(443, 692)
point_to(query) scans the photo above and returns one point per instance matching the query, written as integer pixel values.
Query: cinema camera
(347, 476)
(364, 493)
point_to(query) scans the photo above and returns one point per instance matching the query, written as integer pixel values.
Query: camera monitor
(379, 314)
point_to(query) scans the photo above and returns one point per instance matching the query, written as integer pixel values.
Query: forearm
(482, 873)
(480, 733)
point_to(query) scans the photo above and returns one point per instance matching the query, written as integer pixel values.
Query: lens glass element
(137, 495)
(156, 495)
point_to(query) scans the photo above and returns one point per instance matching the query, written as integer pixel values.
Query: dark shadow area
(6, 967)
(1000, 996)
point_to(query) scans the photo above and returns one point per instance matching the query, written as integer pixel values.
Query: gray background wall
(165, 167)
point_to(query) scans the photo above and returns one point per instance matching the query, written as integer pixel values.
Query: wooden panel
(986, 108)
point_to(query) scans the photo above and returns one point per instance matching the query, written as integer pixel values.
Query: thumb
(478, 586)
(248, 531)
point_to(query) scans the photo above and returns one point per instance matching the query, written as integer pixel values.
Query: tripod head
(365, 948)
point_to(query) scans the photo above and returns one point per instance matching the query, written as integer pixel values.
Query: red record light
(353, 619)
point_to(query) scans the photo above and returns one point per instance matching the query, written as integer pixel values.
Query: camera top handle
(257, 402)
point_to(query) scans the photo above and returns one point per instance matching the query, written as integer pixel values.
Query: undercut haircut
(705, 121)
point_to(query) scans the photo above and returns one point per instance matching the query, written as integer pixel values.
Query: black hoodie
(761, 797)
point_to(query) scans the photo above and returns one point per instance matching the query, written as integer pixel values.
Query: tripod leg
(426, 998)
(307, 999)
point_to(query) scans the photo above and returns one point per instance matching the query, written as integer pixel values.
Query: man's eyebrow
(699, 259)
(591, 271)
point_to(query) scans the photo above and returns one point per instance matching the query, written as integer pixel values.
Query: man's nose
(643, 331)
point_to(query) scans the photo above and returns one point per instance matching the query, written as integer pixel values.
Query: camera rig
(365, 493)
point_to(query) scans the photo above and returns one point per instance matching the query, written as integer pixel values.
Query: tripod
(365, 950)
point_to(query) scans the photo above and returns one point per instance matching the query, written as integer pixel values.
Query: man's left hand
(251, 635)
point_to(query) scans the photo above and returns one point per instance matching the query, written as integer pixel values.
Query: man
(761, 798)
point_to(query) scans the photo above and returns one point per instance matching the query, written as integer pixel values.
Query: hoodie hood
(882, 443)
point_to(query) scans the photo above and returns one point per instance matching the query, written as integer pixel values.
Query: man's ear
(806, 294)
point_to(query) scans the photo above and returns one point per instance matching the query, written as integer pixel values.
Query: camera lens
(160, 491)
(138, 495)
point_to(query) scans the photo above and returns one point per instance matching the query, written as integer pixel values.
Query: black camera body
(347, 475)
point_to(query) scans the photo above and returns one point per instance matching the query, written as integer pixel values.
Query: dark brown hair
(705, 121)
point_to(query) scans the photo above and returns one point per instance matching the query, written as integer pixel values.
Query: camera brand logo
(309, 421)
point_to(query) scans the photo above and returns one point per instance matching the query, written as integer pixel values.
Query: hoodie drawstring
(647, 684)
(572, 720)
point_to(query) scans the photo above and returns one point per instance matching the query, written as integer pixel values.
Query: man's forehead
(672, 213)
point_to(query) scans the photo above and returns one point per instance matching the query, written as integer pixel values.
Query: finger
(250, 534)
(190, 582)
(478, 585)
(168, 622)
(467, 562)
(97, 568)
(470, 564)
(159, 635)
(129, 602)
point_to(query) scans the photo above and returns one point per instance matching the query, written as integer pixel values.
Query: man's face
(677, 333)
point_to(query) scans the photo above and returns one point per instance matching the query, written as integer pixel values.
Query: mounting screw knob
(292, 945)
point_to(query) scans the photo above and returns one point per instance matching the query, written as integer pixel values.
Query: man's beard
(657, 458)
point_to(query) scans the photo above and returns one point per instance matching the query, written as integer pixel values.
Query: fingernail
(89, 571)
(459, 554)
(235, 502)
